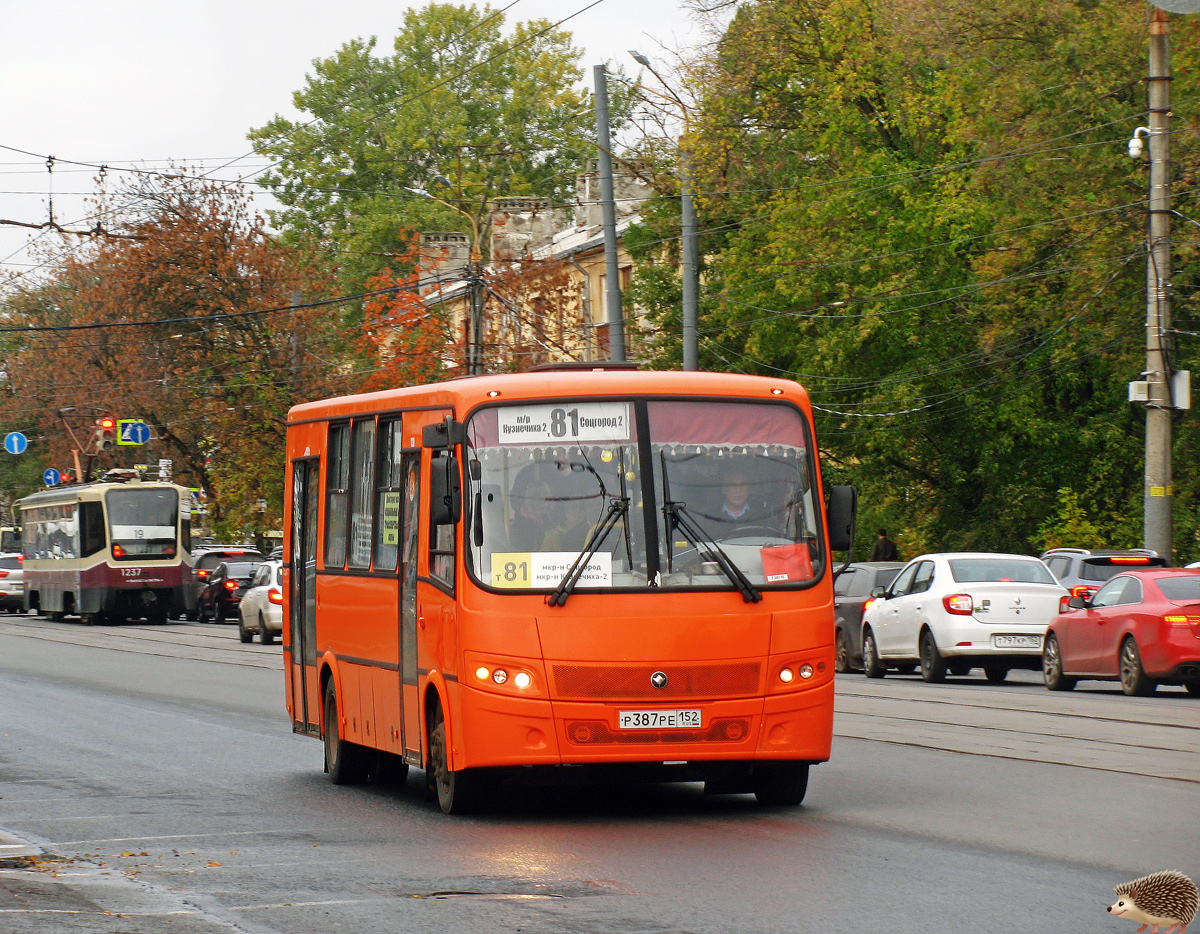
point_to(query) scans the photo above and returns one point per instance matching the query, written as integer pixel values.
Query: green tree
(461, 110)
(924, 212)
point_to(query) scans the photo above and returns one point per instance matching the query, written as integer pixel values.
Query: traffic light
(106, 433)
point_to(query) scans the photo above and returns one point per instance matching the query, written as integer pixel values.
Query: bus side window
(91, 528)
(338, 491)
(441, 538)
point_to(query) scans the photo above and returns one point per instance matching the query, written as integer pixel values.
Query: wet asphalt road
(155, 770)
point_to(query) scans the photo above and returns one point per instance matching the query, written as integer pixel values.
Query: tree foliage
(461, 110)
(185, 321)
(924, 212)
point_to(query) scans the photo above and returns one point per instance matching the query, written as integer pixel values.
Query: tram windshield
(673, 494)
(142, 522)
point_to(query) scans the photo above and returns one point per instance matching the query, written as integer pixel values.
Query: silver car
(261, 609)
(12, 582)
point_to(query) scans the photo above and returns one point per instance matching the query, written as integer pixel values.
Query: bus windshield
(674, 494)
(142, 523)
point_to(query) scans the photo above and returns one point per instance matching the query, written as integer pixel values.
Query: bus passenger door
(302, 620)
(409, 687)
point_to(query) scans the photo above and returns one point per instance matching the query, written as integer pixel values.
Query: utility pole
(1159, 492)
(612, 290)
(475, 320)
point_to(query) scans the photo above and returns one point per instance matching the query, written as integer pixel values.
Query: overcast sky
(133, 82)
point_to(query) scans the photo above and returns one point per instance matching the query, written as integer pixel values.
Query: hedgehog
(1165, 899)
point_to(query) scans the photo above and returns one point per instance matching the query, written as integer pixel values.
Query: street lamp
(689, 236)
(475, 278)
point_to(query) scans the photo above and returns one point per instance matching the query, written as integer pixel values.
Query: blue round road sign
(51, 476)
(15, 442)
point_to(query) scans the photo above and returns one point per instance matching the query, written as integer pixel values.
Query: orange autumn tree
(403, 342)
(194, 320)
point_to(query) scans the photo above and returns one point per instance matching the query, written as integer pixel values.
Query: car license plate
(1017, 642)
(658, 719)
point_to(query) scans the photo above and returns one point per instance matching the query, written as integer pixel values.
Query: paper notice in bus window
(390, 527)
(564, 424)
(544, 570)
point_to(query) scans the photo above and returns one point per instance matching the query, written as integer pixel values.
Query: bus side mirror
(840, 517)
(445, 491)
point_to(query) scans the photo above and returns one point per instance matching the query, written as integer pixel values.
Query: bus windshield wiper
(680, 518)
(618, 509)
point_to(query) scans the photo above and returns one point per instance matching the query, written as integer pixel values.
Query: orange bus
(569, 574)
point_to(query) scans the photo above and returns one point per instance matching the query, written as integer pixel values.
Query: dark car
(851, 592)
(224, 588)
(209, 556)
(1083, 570)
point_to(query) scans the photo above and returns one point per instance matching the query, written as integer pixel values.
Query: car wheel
(841, 652)
(243, 633)
(933, 666)
(267, 638)
(1052, 667)
(346, 762)
(457, 792)
(995, 675)
(872, 666)
(782, 783)
(201, 616)
(220, 611)
(1134, 680)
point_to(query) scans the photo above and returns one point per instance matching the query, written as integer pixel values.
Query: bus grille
(612, 682)
(599, 733)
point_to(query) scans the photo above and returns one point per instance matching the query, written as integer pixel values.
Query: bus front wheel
(457, 792)
(780, 783)
(346, 762)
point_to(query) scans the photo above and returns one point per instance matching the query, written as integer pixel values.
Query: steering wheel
(745, 531)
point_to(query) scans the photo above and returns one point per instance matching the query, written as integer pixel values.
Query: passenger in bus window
(527, 531)
(572, 532)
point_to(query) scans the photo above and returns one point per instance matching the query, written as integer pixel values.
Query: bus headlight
(499, 675)
(786, 675)
(482, 673)
(522, 679)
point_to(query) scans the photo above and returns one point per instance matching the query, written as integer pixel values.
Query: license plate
(658, 719)
(1017, 642)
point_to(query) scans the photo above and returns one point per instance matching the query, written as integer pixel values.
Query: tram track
(1157, 736)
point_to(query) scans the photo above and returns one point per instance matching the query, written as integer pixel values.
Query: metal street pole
(691, 266)
(1159, 491)
(612, 290)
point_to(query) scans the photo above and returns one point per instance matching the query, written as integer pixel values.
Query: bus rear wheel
(346, 762)
(457, 792)
(782, 783)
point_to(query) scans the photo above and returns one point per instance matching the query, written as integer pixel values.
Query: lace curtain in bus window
(362, 493)
(337, 504)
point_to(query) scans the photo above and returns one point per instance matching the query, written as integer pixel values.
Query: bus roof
(466, 393)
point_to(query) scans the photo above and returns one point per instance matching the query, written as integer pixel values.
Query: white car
(953, 612)
(261, 608)
(12, 582)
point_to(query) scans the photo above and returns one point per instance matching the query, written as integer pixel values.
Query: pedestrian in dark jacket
(884, 548)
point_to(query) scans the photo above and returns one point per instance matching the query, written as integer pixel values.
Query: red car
(1141, 628)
